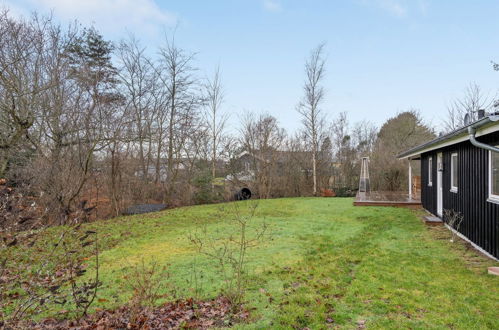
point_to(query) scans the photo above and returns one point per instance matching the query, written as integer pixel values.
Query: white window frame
(430, 171)
(453, 185)
(492, 197)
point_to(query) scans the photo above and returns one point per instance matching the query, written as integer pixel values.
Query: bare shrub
(453, 219)
(146, 281)
(229, 251)
(195, 280)
(39, 272)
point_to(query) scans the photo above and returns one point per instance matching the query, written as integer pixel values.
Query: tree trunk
(170, 164)
(3, 166)
(314, 172)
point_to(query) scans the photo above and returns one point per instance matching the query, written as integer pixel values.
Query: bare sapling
(229, 248)
(148, 284)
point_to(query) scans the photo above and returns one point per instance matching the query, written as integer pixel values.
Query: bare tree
(23, 80)
(364, 135)
(309, 107)
(263, 139)
(325, 162)
(115, 157)
(216, 119)
(345, 153)
(473, 100)
(137, 76)
(295, 179)
(177, 75)
(339, 130)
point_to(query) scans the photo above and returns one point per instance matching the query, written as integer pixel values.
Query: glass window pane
(430, 173)
(454, 170)
(495, 173)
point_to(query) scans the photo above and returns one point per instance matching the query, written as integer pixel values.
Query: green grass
(325, 264)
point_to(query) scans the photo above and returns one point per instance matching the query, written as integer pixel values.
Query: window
(430, 171)
(453, 172)
(494, 176)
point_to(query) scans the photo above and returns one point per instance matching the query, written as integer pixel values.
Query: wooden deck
(386, 198)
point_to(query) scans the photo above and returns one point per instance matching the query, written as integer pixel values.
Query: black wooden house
(460, 172)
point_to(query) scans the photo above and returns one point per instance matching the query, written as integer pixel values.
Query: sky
(383, 56)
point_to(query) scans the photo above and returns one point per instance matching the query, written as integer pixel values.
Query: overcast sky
(384, 56)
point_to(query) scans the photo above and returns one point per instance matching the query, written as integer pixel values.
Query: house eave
(484, 126)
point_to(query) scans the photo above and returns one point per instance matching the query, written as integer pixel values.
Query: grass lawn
(324, 264)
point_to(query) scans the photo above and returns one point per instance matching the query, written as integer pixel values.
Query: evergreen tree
(90, 61)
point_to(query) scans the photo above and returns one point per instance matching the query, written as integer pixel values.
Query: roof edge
(456, 135)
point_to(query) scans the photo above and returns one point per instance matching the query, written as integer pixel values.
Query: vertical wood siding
(481, 218)
(429, 193)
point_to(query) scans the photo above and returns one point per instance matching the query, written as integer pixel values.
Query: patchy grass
(325, 264)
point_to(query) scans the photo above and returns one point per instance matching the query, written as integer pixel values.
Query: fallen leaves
(17, 211)
(173, 315)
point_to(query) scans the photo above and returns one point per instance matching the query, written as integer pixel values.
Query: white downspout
(473, 140)
(410, 179)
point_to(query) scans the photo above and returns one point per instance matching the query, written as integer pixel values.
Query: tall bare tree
(216, 119)
(137, 77)
(177, 75)
(309, 107)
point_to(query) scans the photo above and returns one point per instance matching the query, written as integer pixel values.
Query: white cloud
(109, 16)
(272, 5)
(394, 7)
(398, 8)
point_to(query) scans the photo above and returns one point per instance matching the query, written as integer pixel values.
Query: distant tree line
(86, 124)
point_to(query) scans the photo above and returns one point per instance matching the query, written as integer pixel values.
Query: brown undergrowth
(180, 314)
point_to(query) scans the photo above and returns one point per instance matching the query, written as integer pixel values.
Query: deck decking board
(386, 198)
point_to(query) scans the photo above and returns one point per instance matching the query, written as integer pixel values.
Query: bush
(205, 190)
(39, 270)
(345, 192)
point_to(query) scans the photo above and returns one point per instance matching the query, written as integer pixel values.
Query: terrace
(366, 197)
(387, 198)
